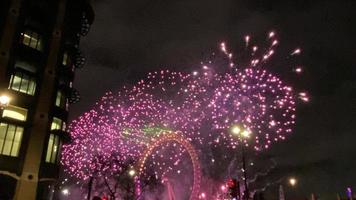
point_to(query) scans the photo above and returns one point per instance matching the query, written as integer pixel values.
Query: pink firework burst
(203, 105)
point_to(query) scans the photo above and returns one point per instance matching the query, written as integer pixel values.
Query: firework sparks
(202, 105)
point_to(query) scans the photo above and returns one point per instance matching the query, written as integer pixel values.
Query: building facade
(39, 53)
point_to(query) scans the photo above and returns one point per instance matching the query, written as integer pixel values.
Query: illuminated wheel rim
(167, 137)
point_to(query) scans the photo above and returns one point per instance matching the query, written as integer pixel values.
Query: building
(39, 53)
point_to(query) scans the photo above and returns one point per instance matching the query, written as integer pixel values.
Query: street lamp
(292, 181)
(65, 192)
(132, 172)
(236, 130)
(245, 134)
(4, 101)
(242, 134)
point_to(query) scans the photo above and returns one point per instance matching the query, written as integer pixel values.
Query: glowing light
(132, 172)
(4, 101)
(302, 94)
(223, 188)
(202, 196)
(271, 34)
(247, 39)
(304, 97)
(349, 192)
(296, 52)
(299, 70)
(292, 181)
(245, 133)
(255, 48)
(272, 123)
(235, 130)
(65, 192)
(275, 42)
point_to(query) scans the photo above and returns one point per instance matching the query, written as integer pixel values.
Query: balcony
(79, 17)
(79, 59)
(89, 12)
(74, 96)
(85, 26)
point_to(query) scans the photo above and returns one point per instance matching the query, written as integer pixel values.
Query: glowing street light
(292, 181)
(235, 130)
(243, 134)
(132, 172)
(65, 192)
(4, 101)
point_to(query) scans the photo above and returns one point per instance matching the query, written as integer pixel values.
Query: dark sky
(130, 38)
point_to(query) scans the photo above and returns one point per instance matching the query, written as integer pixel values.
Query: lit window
(65, 59)
(15, 113)
(58, 124)
(53, 149)
(61, 100)
(58, 98)
(22, 82)
(10, 139)
(32, 39)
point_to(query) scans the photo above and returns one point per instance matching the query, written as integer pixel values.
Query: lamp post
(242, 134)
(90, 185)
(292, 183)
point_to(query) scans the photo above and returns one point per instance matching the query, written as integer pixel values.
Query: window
(65, 59)
(10, 139)
(58, 124)
(15, 113)
(22, 82)
(25, 66)
(53, 149)
(61, 99)
(32, 39)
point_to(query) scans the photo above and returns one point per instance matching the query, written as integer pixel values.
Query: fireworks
(202, 105)
(257, 101)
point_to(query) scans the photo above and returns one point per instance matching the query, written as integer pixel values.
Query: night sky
(130, 38)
